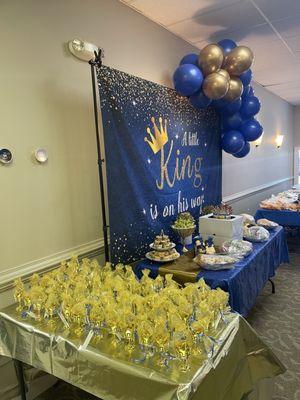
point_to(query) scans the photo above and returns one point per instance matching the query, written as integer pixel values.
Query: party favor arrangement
(147, 318)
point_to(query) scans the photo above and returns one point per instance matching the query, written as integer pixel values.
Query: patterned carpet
(275, 317)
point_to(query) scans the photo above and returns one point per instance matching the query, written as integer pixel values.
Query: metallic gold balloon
(235, 89)
(224, 73)
(215, 86)
(238, 60)
(210, 59)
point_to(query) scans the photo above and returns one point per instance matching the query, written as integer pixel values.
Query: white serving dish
(175, 257)
(216, 266)
(240, 252)
(162, 249)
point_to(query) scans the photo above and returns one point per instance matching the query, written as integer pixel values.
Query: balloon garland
(220, 76)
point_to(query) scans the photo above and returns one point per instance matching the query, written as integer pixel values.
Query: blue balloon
(187, 79)
(251, 91)
(250, 107)
(246, 77)
(220, 103)
(227, 45)
(246, 90)
(245, 150)
(251, 129)
(232, 142)
(199, 100)
(233, 106)
(232, 121)
(191, 58)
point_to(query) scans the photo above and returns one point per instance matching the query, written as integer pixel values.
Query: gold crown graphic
(160, 137)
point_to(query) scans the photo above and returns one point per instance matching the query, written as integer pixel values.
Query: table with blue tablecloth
(248, 277)
(282, 217)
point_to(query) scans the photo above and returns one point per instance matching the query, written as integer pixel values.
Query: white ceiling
(271, 28)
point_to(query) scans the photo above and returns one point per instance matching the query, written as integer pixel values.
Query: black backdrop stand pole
(94, 63)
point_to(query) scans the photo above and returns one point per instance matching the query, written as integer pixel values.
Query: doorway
(297, 166)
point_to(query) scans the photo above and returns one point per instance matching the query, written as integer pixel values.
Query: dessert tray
(162, 242)
(215, 262)
(163, 250)
(288, 200)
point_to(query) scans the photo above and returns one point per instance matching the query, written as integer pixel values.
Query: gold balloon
(235, 89)
(215, 86)
(238, 60)
(224, 73)
(210, 59)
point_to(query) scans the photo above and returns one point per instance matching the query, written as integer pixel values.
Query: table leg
(273, 285)
(21, 380)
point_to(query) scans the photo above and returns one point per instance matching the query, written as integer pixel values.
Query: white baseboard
(92, 249)
(254, 190)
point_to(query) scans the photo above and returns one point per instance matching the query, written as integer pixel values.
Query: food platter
(237, 248)
(215, 262)
(267, 224)
(171, 258)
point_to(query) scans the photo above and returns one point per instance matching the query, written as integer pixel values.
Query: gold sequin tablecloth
(239, 363)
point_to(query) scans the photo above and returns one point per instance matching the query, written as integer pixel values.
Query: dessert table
(236, 369)
(245, 281)
(282, 217)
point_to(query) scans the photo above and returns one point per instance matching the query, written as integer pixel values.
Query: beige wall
(45, 101)
(266, 163)
(297, 126)
(297, 140)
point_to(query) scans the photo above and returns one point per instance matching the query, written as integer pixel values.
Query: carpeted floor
(275, 317)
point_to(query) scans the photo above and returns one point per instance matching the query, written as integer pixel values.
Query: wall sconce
(279, 140)
(258, 141)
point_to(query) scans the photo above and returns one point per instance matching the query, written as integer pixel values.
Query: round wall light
(5, 156)
(41, 155)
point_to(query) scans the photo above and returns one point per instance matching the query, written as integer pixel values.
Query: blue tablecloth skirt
(282, 217)
(246, 280)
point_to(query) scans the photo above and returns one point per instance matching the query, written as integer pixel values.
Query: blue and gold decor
(225, 84)
(163, 157)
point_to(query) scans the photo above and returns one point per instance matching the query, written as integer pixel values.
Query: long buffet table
(245, 281)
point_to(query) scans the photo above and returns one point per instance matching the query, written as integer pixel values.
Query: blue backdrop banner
(163, 157)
